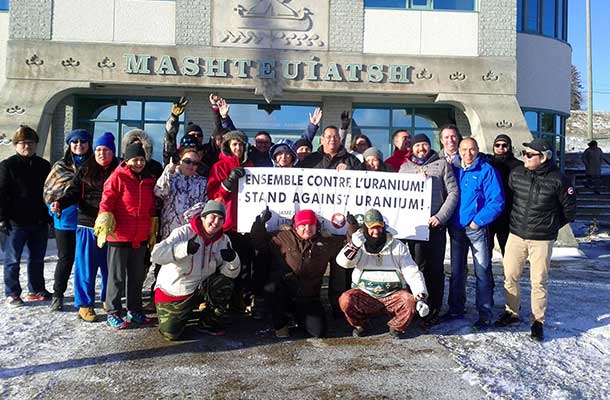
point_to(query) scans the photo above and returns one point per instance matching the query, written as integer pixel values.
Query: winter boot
(87, 314)
(57, 303)
(537, 331)
(507, 319)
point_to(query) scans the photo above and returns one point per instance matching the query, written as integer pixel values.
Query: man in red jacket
(402, 149)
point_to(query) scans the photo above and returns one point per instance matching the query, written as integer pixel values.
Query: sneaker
(507, 319)
(137, 317)
(38, 296)
(14, 301)
(394, 333)
(358, 331)
(213, 330)
(116, 322)
(537, 331)
(283, 332)
(87, 314)
(482, 324)
(57, 303)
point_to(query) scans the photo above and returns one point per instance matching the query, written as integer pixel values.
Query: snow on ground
(54, 355)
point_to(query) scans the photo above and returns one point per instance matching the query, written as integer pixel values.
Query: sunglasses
(79, 141)
(188, 161)
(501, 145)
(530, 155)
(262, 142)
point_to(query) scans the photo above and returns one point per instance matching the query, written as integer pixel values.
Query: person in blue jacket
(64, 222)
(481, 202)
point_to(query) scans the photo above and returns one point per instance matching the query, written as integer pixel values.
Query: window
(463, 5)
(4, 5)
(551, 127)
(380, 123)
(120, 115)
(543, 17)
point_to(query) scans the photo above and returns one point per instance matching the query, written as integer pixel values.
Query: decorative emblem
(274, 15)
(5, 141)
(15, 110)
(34, 60)
(70, 62)
(424, 74)
(457, 76)
(504, 124)
(106, 63)
(571, 190)
(490, 76)
(298, 39)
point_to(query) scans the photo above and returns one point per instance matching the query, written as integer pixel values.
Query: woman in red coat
(127, 216)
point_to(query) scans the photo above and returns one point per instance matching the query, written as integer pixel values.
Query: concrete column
(198, 111)
(31, 19)
(498, 28)
(63, 121)
(332, 107)
(193, 22)
(346, 29)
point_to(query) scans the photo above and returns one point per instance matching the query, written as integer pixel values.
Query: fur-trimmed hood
(133, 134)
(234, 135)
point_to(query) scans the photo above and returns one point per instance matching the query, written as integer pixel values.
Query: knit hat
(592, 143)
(539, 146)
(305, 217)
(373, 218)
(192, 127)
(189, 141)
(504, 138)
(24, 132)
(134, 150)
(215, 207)
(419, 138)
(372, 152)
(107, 140)
(302, 142)
(78, 134)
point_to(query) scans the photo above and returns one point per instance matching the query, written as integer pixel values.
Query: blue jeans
(35, 238)
(477, 240)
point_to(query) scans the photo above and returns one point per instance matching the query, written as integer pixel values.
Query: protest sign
(403, 199)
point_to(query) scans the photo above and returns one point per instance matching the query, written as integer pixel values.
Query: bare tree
(576, 99)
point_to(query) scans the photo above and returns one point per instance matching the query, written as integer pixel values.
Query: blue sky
(577, 36)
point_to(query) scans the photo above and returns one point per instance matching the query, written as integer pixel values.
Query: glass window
(257, 117)
(560, 21)
(371, 117)
(454, 4)
(379, 139)
(402, 117)
(532, 15)
(547, 122)
(544, 17)
(548, 17)
(469, 5)
(4, 5)
(158, 111)
(386, 3)
(131, 110)
(531, 117)
(519, 15)
(420, 3)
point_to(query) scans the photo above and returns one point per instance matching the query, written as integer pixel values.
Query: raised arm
(171, 130)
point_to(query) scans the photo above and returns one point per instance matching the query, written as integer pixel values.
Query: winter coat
(592, 158)
(321, 160)
(544, 200)
(182, 273)
(481, 198)
(300, 262)
(445, 190)
(504, 164)
(398, 158)
(178, 193)
(216, 190)
(383, 273)
(21, 190)
(131, 200)
(170, 148)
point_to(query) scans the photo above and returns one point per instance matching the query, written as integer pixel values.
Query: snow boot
(57, 303)
(87, 314)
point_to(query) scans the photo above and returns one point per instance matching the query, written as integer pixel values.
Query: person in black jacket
(24, 217)
(544, 200)
(504, 161)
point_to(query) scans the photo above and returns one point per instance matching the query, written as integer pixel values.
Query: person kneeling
(383, 270)
(198, 266)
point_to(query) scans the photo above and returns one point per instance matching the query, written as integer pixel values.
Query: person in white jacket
(383, 274)
(198, 266)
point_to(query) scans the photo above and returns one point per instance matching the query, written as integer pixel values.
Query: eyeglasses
(79, 141)
(26, 143)
(501, 145)
(262, 142)
(530, 155)
(188, 161)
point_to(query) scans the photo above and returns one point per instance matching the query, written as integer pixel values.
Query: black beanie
(134, 150)
(421, 137)
(302, 142)
(191, 127)
(504, 138)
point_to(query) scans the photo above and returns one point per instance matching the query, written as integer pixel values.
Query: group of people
(120, 217)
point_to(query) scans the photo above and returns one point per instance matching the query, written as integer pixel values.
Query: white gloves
(422, 308)
(358, 238)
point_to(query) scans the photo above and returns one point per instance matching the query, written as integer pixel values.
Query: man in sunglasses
(544, 200)
(504, 161)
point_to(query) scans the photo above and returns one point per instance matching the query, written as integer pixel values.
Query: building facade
(490, 66)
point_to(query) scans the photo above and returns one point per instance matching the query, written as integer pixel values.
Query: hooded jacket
(132, 201)
(182, 273)
(383, 273)
(153, 166)
(398, 158)
(216, 190)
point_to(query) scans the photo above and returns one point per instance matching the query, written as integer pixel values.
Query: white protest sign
(403, 199)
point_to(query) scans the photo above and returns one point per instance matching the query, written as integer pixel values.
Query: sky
(600, 33)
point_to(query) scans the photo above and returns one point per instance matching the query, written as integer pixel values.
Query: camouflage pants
(215, 292)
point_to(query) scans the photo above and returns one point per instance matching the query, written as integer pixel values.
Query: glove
(154, 229)
(345, 120)
(5, 227)
(358, 238)
(233, 177)
(265, 215)
(192, 246)
(351, 219)
(104, 226)
(422, 308)
(178, 108)
(228, 254)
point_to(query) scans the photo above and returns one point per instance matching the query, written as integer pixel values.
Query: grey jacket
(445, 190)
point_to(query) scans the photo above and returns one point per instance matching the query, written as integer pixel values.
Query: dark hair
(68, 157)
(93, 174)
(263, 133)
(185, 150)
(360, 136)
(397, 131)
(453, 127)
(330, 127)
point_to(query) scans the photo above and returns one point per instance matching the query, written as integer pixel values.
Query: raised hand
(316, 117)
(179, 107)
(345, 120)
(223, 107)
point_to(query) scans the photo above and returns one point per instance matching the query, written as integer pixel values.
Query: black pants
(430, 258)
(260, 272)
(309, 312)
(126, 270)
(339, 281)
(500, 230)
(66, 247)
(243, 247)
